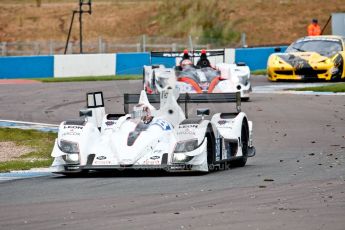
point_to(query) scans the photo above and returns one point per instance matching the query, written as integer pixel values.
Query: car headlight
(243, 79)
(72, 158)
(69, 146)
(186, 146)
(181, 158)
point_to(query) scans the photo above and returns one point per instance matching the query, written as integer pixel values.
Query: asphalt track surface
(296, 180)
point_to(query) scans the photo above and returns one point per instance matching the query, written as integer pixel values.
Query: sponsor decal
(164, 95)
(184, 88)
(218, 148)
(73, 127)
(101, 158)
(223, 122)
(109, 123)
(71, 134)
(155, 157)
(186, 131)
(163, 124)
(152, 162)
(101, 162)
(172, 55)
(188, 126)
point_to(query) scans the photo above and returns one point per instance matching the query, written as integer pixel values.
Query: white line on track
(15, 175)
(284, 89)
(29, 125)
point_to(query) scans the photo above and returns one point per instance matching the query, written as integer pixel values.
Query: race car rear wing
(187, 98)
(216, 54)
(193, 53)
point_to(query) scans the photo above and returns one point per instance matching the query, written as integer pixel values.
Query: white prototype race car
(195, 74)
(150, 138)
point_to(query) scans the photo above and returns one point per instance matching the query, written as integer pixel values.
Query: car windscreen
(326, 47)
(206, 74)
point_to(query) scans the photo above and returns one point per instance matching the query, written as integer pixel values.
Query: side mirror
(277, 49)
(203, 112)
(95, 100)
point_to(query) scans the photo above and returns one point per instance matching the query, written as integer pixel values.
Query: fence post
(243, 40)
(71, 48)
(190, 42)
(3, 52)
(100, 45)
(144, 42)
(51, 47)
(173, 47)
(37, 48)
(105, 47)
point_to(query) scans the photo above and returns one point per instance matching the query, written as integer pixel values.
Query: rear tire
(144, 85)
(241, 161)
(153, 83)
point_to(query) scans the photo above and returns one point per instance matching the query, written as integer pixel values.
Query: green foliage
(41, 144)
(24, 164)
(336, 88)
(203, 20)
(259, 72)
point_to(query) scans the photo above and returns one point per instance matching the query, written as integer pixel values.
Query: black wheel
(240, 162)
(210, 149)
(339, 63)
(245, 99)
(153, 83)
(144, 79)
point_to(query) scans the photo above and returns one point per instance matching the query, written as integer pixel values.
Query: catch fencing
(101, 45)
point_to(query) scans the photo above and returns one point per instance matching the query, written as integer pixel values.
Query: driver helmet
(186, 63)
(143, 112)
(162, 81)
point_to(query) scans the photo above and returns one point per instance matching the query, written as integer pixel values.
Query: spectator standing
(314, 28)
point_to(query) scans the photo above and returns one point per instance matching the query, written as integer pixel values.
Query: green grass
(203, 20)
(259, 72)
(336, 88)
(41, 143)
(90, 78)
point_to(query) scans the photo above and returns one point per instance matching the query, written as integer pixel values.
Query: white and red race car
(199, 72)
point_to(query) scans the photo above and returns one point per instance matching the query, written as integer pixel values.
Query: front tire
(339, 63)
(210, 150)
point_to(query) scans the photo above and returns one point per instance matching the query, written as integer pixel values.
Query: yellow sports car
(310, 58)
